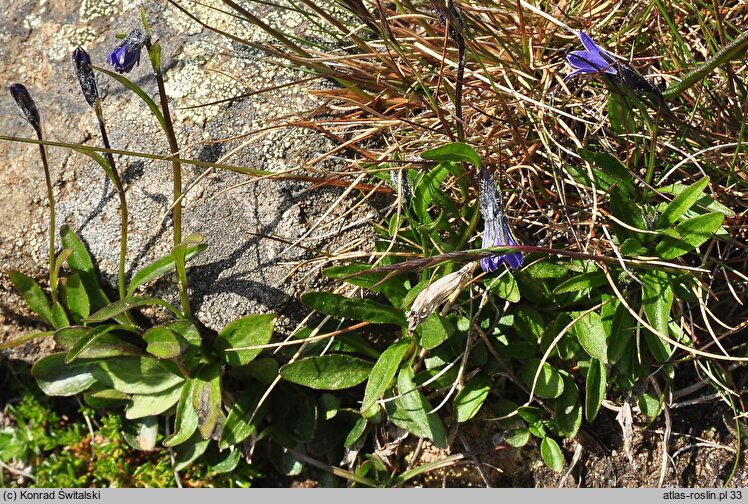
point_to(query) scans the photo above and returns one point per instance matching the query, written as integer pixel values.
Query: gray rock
(243, 270)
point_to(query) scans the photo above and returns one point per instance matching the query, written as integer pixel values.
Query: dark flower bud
(26, 106)
(85, 75)
(127, 54)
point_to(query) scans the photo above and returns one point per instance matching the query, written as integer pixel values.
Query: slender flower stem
(122, 203)
(176, 173)
(52, 223)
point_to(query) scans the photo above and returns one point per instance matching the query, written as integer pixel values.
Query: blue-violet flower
(84, 72)
(496, 232)
(593, 60)
(127, 54)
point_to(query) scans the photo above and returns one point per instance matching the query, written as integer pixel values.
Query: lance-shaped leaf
(56, 378)
(681, 203)
(80, 262)
(327, 372)
(339, 306)
(143, 405)
(411, 411)
(159, 268)
(249, 331)
(33, 294)
(206, 398)
(185, 421)
(136, 375)
(384, 372)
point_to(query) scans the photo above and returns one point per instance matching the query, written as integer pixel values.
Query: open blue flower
(496, 232)
(127, 54)
(593, 60)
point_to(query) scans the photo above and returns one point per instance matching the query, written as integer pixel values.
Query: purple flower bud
(85, 75)
(496, 232)
(593, 60)
(127, 54)
(26, 106)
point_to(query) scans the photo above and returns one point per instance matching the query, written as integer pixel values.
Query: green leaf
(517, 437)
(620, 114)
(222, 462)
(206, 398)
(185, 421)
(690, 234)
(105, 398)
(591, 334)
(189, 451)
(471, 397)
(681, 203)
(138, 91)
(80, 262)
(411, 411)
(151, 405)
(88, 337)
(505, 286)
(358, 429)
(329, 404)
(551, 453)
(625, 209)
(33, 294)
(425, 188)
(24, 339)
(59, 317)
(631, 247)
(299, 414)
(394, 289)
(545, 269)
(384, 372)
(621, 332)
(657, 299)
(56, 378)
(141, 433)
(339, 306)
(650, 406)
(252, 330)
(76, 298)
(120, 306)
(164, 343)
(611, 172)
(264, 370)
(327, 372)
(284, 461)
(549, 384)
(530, 414)
(155, 54)
(433, 331)
(582, 282)
(136, 375)
(457, 152)
(596, 386)
(568, 409)
(101, 347)
(238, 426)
(159, 268)
(187, 330)
(705, 203)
